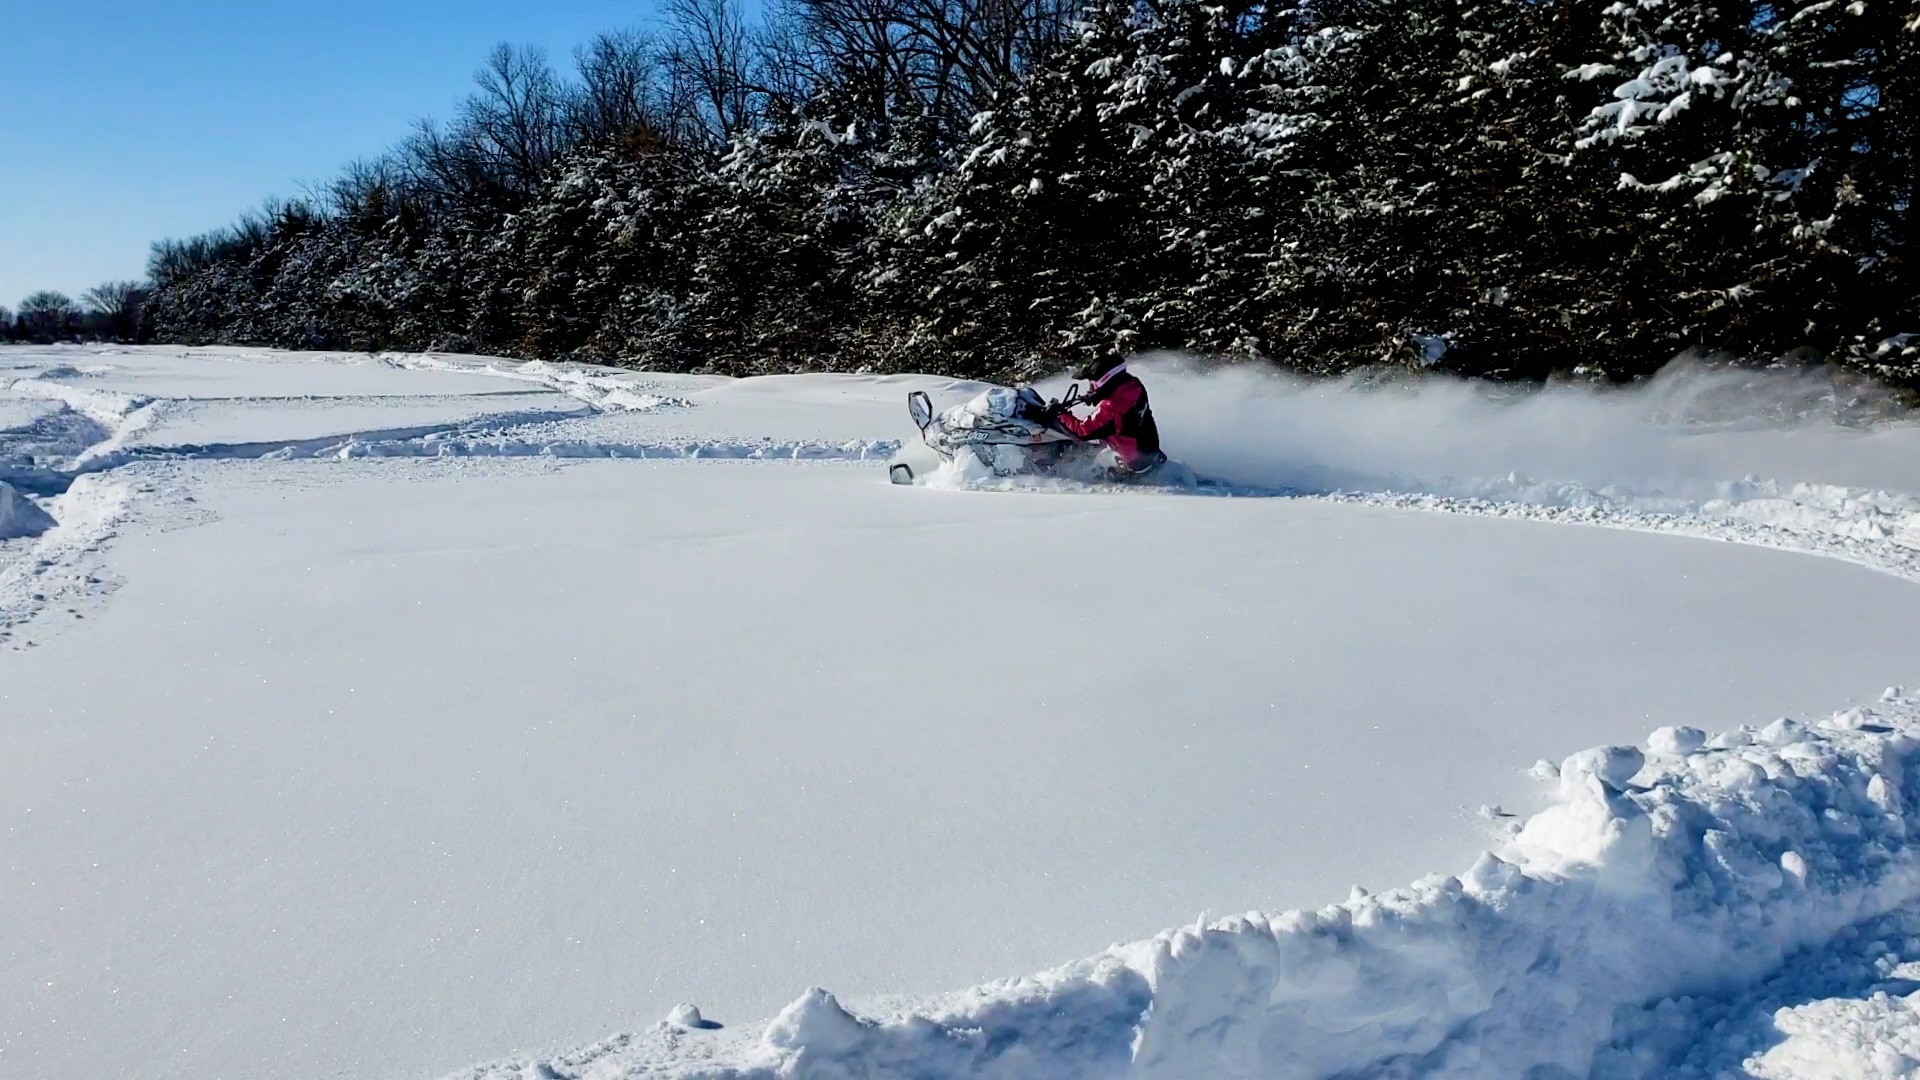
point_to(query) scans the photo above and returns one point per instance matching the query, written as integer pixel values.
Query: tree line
(1500, 188)
(111, 311)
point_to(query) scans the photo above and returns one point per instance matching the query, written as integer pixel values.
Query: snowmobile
(1012, 432)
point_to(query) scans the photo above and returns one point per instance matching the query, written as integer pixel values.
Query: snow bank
(111, 417)
(61, 564)
(21, 516)
(1612, 933)
(1844, 1008)
(1846, 1040)
(108, 408)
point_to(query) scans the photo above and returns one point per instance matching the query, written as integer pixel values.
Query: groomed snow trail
(464, 743)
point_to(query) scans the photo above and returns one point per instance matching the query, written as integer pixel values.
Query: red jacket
(1121, 418)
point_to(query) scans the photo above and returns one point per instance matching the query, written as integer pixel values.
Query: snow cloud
(1683, 434)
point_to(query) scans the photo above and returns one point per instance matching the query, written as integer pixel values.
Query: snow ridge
(20, 516)
(1876, 529)
(438, 442)
(1843, 1008)
(603, 390)
(61, 566)
(1689, 867)
(86, 425)
(1873, 529)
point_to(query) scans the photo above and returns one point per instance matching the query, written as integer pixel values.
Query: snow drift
(20, 516)
(1658, 878)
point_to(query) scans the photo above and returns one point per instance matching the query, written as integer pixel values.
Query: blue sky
(121, 123)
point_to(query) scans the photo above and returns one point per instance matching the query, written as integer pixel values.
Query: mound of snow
(1845, 1040)
(1658, 879)
(1844, 1008)
(603, 390)
(60, 567)
(21, 516)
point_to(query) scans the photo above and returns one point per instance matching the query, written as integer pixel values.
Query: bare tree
(937, 62)
(171, 260)
(712, 64)
(48, 314)
(446, 167)
(115, 307)
(790, 69)
(46, 301)
(519, 115)
(503, 139)
(622, 97)
(112, 297)
(375, 186)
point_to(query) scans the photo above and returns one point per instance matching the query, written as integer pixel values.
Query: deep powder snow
(499, 744)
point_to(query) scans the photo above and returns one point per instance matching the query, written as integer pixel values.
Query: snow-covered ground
(368, 716)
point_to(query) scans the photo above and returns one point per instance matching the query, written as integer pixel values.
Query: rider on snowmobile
(1121, 417)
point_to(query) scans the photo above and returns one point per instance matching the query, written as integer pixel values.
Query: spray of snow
(1692, 436)
(1655, 893)
(1795, 460)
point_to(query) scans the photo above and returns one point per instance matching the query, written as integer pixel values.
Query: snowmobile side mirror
(920, 407)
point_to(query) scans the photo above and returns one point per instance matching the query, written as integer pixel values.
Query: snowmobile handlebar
(1066, 401)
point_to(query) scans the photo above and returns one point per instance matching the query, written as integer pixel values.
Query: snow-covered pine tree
(1497, 187)
(601, 259)
(1771, 147)
(776, 250)
(1099, 205)
(1441, 218)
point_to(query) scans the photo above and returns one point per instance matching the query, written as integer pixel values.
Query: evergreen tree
(1505, 188)
(1770, 147)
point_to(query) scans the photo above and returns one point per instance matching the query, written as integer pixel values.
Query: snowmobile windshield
(995, 406)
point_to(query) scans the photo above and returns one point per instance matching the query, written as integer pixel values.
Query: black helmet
(1096, 369)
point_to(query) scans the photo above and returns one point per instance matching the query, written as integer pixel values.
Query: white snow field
(367, 716)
